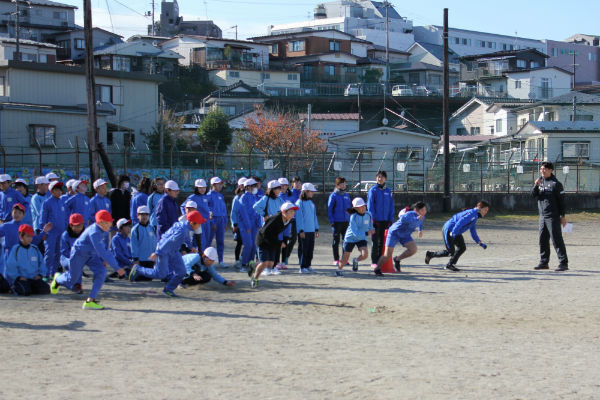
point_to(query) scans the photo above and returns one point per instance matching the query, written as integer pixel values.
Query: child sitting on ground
(120, 247)
(25, 266)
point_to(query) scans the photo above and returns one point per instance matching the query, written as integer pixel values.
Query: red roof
(331, 116)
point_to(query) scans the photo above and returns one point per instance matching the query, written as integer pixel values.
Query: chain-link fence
(410, 169)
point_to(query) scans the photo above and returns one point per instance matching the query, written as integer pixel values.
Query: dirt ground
(495, 330)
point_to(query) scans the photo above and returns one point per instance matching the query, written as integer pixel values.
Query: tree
(214, 132)
(280, 132)
(170, 126)
(372, 75)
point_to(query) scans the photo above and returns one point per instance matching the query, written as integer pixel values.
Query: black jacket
(268, 235)
(119, 203)
(550, 195)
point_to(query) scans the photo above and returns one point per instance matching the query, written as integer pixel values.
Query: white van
(402, 90)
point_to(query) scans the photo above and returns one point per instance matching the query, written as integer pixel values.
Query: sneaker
(77, 288)
(169, 293)
(397, 264)
(338, 272)
(354, 264)
(336, 263)
(310, 270)
(133, 273)
(267, 272)
(92, 305)
(243, 269)
(251, 268)
(378, 272)
(275, 271)
(373, 265)
(428, 256)
(223, 265)
(451, 267)
(562, 267)
(304, 271)
(541, 266)
(238, 264)
(281, 266)
(54, 286)
(253, 283)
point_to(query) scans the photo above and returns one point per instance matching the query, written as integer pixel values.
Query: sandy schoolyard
(495, 330)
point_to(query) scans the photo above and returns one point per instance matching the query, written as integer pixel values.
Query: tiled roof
(331, 116)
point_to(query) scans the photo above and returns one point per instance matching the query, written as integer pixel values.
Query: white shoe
(267, 272)
(237, 264)
(243, 269)
(304, 271)
(275, 271)
(223, 265)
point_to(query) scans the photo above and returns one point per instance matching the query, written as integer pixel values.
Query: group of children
(148, 235)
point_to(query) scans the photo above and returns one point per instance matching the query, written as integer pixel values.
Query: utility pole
(574, 68)
(17, 31)
(446, 117)
(387, 48)
(91, 91)
(236, 28)
(153, 32)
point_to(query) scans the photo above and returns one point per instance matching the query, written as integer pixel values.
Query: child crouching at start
(361, 226)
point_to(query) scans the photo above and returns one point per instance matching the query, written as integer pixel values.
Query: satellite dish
(384, 121)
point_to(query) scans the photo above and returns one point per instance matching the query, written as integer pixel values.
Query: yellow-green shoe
(54, 286)
(92, 305)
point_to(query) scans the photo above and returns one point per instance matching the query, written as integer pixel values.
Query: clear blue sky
(549, 19)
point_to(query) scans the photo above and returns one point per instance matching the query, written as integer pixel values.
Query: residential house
(38, 20)
(583, 55)
(47, 102)
(588, 40)
(571, 106)
(363, 19)
(171, 23)
(30, 51)
(332, 124)
(518, 74)
(137, 56)
(71, 43)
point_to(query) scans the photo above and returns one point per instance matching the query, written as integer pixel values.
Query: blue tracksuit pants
(52, 252)
(161, 270)
(218, 229)
(249, 251)
(308, 247)
(73, 275)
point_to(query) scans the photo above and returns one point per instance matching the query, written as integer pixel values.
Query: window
(28, 57)
(498, 125)
(456, 40)
(554, 52)
(466, 42)
(534, 64)
(330, 70)
(297, 45)
(266, 75)
(121, 63)
(128, 139)
(517, 84)
(109, 138)
(104, 93)
(292, 77)
(45, 135)
(521, 64)
(80, 44)
(274, 48)
(481, 43)
(59, 14)
(523, 122)
(234, 74)
(469, 66)
(550, 116)
(491, 45)
(44, 58)
(575, 149)
(334, 45)
(63, 44)
(461, 131)
(582, 117)
(475, 130)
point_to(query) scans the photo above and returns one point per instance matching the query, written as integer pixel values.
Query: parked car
(353, 89)
(402, 90)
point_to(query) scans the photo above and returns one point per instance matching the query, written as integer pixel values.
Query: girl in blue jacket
(140, 198)
(25, 266)
(79, 203)
(218, 217)
(359, 229)
(401, 232)
(233, 216)
(307, 226)
(167, 210)
(202, 200)
(158, 192)
(248, 222)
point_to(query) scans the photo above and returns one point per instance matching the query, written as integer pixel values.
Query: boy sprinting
(359, 229)
(453, 231)
(401, 232)
(25, 268)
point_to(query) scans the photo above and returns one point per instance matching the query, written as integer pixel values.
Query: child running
(400, 232)
(360, 227)
(453, 231)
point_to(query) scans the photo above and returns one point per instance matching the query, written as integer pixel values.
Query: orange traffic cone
(388, 267)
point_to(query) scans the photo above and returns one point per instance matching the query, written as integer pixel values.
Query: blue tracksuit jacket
(202, 201)
(216, 204)
(406, 224)
(66, 243)
(306, 216)
(153, 200)
(380, 203)
(80, 204)
(120, 247)
(98, 203)
(10, 232)
(93, 242)
(37, 201)
(180, 233)
(358, 227)
(193, 263)
(247, 217)
(338, 203)
(273, 207)
(54, 210)
(167, 213)
(139, 199)
(463, 221)
(9, 198)
(235, 205)
(143, 242)
(26, 262)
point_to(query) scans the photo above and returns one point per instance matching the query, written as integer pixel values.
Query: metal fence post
(171, 162)
(323, 163)
(76, 155)
(481, 178)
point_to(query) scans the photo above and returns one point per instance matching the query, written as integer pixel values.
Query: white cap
(309, 187)
(5, 178)
(69, 183)
(250, 182)
(122, 222)
(171, 185)
(76, 184)
(51, 175)
(215, 180)
(21, 180)
(99, 182)
(211, 253)
(242, 180)
(143, 210)
(358, 202)
(40, 180)
(273, 184)
(200, 183)
(283, 181)
(288, 205)
(54, 183)
(190, 204)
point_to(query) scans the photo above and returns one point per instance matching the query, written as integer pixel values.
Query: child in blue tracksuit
(307, 226)
(143, 240)
(53, 211)
(21, 187)
(167, 209)
(79, 203)
(267, 206)
(8, 198)
(218, 214)
(10, 230)
(359, 229)
(140, 198)
(168, 255)
(100, 201)
(292, 195)
(453, 235)
(91, 249)
(380, 203)
(401, 232)
(337, 205)
(233, 217)
(202, 200)
(120, 245)
(25, 266)
(158, 192)
(74, 230)
(248, 222)
(37, 201)
(200, 268)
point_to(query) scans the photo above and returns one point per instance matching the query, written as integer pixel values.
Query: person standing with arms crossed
(550, 195)
(380, 203)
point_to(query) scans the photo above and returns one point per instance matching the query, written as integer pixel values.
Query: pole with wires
(446, 119)
(91, 91)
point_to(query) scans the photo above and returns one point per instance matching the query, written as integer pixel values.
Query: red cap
(26, 229)
(195, 217)
(19, 206)
(103, 215)
(76, 219)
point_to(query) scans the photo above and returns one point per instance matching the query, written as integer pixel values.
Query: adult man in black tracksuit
(550, 195)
